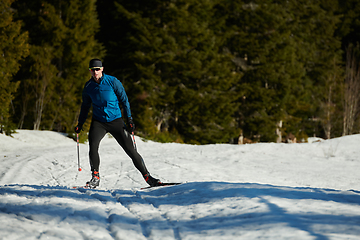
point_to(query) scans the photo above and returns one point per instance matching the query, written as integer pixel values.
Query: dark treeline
(195, 71)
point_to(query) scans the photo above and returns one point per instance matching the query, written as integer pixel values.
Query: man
(105, 93)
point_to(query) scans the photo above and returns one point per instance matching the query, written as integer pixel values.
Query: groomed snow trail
(258, 191)
(208, 210)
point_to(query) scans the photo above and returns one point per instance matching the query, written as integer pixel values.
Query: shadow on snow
(190, 196)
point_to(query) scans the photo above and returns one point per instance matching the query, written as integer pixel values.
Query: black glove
(131, 124)
(78, 128)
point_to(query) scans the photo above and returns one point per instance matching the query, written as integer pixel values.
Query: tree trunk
(327, 124)
(352, 90)
(39, 107)
(278, 132)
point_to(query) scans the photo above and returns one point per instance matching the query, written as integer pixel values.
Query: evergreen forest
(195, 71)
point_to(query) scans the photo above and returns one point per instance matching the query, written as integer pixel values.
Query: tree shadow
(220, 207)
(275, 198)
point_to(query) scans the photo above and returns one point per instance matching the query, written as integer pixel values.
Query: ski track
(10, 173)
(146, 217)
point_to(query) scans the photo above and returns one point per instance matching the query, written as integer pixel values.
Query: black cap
(95, 63)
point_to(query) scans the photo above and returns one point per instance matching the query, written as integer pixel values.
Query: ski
(161, 185)
(80, 187)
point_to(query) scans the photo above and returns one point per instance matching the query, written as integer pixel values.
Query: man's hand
(78, 128)
(131, 124)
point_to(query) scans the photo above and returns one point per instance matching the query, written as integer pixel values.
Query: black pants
(118, 130)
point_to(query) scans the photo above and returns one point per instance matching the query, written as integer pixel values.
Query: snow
(255, 191)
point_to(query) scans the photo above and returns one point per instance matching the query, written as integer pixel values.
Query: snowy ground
(257, 191)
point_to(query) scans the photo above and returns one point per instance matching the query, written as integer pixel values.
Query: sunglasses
(94, 69)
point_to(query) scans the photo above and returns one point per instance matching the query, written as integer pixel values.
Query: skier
(105, 93)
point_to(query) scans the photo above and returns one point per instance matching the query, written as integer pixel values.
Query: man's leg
(123, 137)
(96, 133)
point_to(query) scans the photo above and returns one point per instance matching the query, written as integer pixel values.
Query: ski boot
(153, 182)
(95, 180)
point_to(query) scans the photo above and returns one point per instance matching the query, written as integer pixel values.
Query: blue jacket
(105, 98)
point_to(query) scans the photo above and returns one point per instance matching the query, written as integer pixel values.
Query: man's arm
(85, 107)
(122, 97)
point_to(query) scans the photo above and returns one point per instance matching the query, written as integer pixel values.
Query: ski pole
(132, 133)
(78, 151)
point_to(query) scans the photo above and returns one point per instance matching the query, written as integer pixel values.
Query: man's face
(96, 72)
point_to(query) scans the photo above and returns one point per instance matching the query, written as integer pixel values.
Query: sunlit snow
(255, 191)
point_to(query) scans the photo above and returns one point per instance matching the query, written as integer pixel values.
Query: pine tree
(39, 74)
(62, 37)
(349, 27)
(79, 46)
(283, 49)
(348, 31)
(317, 23)
(265, 53)
(351, 101)
(183, 77)
(13, 49)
